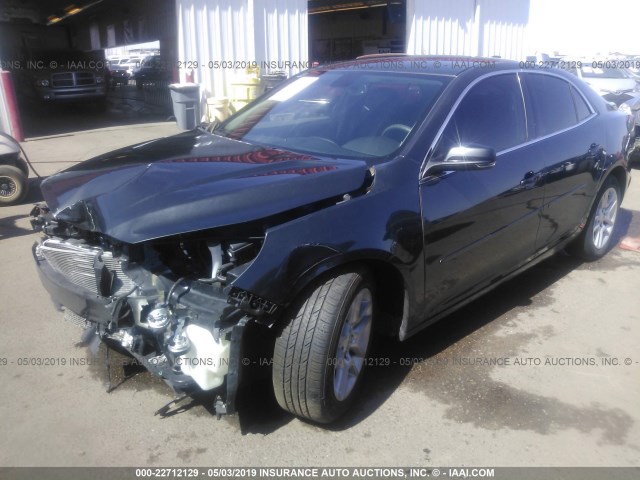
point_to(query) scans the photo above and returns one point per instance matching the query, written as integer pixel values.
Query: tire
(13, 185)
(597, 237)
(23, 166)
(314, 376)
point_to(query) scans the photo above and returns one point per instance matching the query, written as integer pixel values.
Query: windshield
(339, 113)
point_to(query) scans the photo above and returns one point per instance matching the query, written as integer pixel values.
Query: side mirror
(464, 158)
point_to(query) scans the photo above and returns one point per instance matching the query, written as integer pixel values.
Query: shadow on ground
(8, 225)
(424, 364)
(470, 394)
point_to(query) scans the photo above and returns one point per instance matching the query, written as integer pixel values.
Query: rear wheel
(321, 353)
(597, 237)
(13, 185)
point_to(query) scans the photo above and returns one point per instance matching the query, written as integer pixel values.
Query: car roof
(470, 68)
(438, 64)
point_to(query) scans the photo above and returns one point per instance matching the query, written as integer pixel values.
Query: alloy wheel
(353, 344)
(605, 218)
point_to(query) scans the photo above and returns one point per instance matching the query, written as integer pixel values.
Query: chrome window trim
(539, 139)
(425, 162)
(526, 112)
(569, 81)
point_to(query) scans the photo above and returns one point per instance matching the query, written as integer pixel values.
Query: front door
(479, 225)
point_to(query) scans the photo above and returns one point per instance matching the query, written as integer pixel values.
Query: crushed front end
(168, 303)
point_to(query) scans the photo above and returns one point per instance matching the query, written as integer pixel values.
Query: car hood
(192, 181)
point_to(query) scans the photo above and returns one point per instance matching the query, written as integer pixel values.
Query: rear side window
(552, 105)
(491, 114)
(582, 109)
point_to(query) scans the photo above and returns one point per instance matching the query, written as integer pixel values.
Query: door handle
(530, 179)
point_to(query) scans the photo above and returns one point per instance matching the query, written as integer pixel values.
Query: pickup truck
(61, 76)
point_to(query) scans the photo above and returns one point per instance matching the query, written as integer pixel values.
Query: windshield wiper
(209, 127)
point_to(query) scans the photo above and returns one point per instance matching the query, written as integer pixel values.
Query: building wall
(281, 31)
(348, 34)
(16, 38)
(246, 32)
(123, 22)
(441, 27)
(503, 28)
(218, 39)
(467, 27)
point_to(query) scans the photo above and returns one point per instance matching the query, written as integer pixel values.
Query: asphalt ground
(565, 391)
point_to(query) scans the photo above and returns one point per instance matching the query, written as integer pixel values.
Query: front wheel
(321, 353)
(597, 237)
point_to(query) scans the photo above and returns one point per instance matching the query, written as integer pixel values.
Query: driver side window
(491, 115)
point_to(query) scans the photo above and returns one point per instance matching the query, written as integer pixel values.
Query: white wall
(467, 27)
(281, 31)
(441, 27)
(503, 27)
(238, 31)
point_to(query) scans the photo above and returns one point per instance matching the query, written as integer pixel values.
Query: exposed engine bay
(167, 303)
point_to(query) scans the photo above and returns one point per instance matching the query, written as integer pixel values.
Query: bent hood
(192, 181)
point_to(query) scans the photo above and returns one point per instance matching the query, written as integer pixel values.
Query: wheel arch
(389, 284)
(620, 174)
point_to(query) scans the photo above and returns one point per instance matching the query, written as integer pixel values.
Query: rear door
(479, 225)
(562, 123)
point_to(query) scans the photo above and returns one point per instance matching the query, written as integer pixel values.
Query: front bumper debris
(199, 349)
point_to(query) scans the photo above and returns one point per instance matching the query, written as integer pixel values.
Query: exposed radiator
(77, 264)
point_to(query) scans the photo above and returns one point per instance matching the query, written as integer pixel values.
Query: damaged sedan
(371, 197)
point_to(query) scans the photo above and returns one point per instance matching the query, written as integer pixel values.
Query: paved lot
(448, 409)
